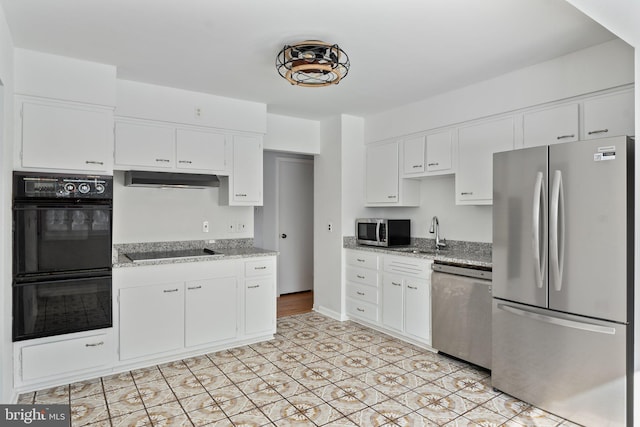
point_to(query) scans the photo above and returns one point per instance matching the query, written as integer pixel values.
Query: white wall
(327, 248)
(147, 101)
(6, 162)
(292, 134)
(59, 77)
(156, 215)
(599, 67)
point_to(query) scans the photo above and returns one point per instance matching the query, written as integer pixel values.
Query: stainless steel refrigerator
(563, 278)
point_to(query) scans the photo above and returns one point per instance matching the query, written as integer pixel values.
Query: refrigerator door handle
(539, 207)
(556, 230)
(590, 327)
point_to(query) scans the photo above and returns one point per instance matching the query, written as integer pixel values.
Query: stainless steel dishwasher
(461, 312)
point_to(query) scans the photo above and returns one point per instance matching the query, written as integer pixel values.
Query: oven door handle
(45, 206)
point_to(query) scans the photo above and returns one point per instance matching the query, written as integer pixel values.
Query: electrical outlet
(231, 228)
(205, 226)
(240, 227)
(197, 112)
(330, 226)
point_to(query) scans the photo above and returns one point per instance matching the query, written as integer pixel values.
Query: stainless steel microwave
(383, 232)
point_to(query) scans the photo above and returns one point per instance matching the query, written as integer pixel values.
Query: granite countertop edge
(448, 256)
(226, 254)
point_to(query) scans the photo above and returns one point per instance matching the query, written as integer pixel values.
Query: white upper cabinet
(439, 152)
(383, 185)
(201, 150)
(152, 146)
(551, 125)
(244, 185)
(609, 115)
(67, 136)
(476, 145)
(414, 156)
(427, 155)
(144, 145)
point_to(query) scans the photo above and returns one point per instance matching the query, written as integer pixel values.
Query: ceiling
(401, 51)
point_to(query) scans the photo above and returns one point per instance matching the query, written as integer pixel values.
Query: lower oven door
(56, 307)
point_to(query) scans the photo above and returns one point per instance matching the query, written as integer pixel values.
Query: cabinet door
(246, 180)
(210, 311)
(476, 145)
(151, 319)
(439, 152)
(201, 150)
(145, 145)
(392, 306)
(66, 137)
(413, 155)
(417, 309)
(610, 115)
(382, 173)
(260, 306)
(551, 126)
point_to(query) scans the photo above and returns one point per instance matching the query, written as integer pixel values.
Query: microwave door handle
(378, 223)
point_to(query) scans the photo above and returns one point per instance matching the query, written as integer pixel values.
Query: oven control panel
(54, 186)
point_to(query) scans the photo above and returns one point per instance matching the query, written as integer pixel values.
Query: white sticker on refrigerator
(605, 153)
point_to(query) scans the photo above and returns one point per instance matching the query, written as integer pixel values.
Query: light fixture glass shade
(312, 63)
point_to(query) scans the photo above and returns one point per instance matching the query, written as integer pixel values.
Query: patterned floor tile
(225, 393)
(485, 418)
(198, 362)
(251, 418)
(124, 401)
(323, 413)
(206, 415)
(197, 402)
(26, 398)
(237, 405)
(52, 395)
(87, 410)
(85, 388)
(145, 375)
(221, 357)
(116, 381)
(210, 381)
(369, 417)
(172, 368)
(506, 405)
(168, 414)
(156, 393)
(135, 419)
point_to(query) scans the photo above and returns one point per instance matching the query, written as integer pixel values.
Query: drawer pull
(195, 287)
(166, 291)
(361, 310)
(95, 344)
(185, 161)
(565, 136)
(467, 193)
(253, 287)
(396, 284)
(93, 162)
(416, 166)
(360, 293)
(241, 195)
(359, 276)
(433, 164)
(415, 288)
(163, 160)
(391, 197)
(264, 267)
(359, 260)
(599, 131)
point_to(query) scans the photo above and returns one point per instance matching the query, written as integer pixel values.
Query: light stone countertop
(457, 252)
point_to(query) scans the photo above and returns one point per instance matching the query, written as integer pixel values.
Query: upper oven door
(61, 238)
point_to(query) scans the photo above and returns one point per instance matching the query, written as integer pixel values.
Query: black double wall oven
(61, 254)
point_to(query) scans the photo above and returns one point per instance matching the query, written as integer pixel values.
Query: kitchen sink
(423, 251)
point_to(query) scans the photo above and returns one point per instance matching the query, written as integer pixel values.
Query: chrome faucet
(435, 228)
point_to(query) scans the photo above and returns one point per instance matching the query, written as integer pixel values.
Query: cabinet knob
(284, 236)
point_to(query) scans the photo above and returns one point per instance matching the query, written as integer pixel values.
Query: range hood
(169, 180)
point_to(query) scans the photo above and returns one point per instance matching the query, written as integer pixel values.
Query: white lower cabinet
(210, 314)
(151, 319)
(260, 296)
(403, 304)
(54, 357)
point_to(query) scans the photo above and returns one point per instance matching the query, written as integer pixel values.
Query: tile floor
(316, 372)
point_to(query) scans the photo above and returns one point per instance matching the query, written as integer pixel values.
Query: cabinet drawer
(362, 293)
(362, 309)
(263, 267)
(361, 275)
(54, 358)
(408, 266)
(362, 259)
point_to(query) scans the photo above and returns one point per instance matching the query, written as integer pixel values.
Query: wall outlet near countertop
(205, 226)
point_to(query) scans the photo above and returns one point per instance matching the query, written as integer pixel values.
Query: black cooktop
(183, 253)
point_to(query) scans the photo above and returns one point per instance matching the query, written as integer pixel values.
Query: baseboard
(330, 313)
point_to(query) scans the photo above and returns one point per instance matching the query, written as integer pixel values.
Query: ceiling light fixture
(312, 63)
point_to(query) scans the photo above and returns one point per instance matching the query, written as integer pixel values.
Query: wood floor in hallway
(296, 303)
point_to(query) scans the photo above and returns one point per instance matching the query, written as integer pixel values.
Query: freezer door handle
(556, 230)
(590, 327)
(539, 250)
